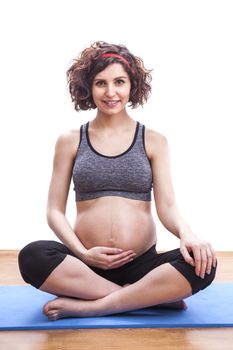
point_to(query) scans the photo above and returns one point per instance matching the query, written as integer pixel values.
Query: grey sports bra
(126, 175)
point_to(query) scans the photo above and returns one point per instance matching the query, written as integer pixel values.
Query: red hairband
(115, 55)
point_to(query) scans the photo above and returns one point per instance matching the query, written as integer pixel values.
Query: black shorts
(38, 259)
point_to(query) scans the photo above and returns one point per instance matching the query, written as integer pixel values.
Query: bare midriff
(118, 222)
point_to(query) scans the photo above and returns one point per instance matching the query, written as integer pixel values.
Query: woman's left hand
(204, 257)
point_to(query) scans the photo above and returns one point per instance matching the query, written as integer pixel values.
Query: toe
(46, 308)
(53, 316)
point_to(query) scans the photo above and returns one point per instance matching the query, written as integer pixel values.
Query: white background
(188, 44)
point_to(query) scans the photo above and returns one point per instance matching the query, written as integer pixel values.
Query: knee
(38, 259)
(197, 283)
(210, 277)
(29, 253)
(206, 281)
(28, 258)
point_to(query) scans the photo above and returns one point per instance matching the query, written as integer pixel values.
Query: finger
(122, 262)
(123, 256)
(209, 261)
(204, 262)
(214, 257)
(111, 251)
(197, 260)
(106, 261)
(187, 257)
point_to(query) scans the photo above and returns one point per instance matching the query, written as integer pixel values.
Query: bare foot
(70, 307)
(67, 307)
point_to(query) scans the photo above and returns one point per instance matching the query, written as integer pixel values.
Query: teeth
(111, 103)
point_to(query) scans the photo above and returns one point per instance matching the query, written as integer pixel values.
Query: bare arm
(164, 194)
(65, 151)
(167, 210)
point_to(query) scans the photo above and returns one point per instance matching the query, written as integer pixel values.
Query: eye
(120, 81)
(100, 83)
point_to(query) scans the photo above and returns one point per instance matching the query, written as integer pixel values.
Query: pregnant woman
(107, 262)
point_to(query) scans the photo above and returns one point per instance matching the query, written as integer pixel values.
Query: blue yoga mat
(21, 309)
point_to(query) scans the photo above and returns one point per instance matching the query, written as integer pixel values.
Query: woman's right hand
(107, 258)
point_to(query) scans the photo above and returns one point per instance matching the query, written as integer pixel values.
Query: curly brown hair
(90, 62)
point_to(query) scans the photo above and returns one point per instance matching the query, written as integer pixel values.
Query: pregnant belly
(120, 223)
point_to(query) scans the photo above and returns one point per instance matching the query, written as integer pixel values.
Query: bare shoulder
(68, 142)
(155, 142)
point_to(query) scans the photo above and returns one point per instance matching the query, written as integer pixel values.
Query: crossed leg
(164, 284)
(73, 278)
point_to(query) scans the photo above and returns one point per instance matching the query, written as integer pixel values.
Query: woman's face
(111, 89)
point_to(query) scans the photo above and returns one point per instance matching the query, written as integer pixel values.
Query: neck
(112, 121)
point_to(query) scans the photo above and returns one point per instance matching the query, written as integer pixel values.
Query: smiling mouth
(111, 103)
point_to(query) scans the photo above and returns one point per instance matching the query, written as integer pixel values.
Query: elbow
(52, 214)
(164, 208)
(49, 216)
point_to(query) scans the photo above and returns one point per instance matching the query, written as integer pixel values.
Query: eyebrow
(122, 77)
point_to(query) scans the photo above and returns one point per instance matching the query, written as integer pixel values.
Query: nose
(110, 90)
